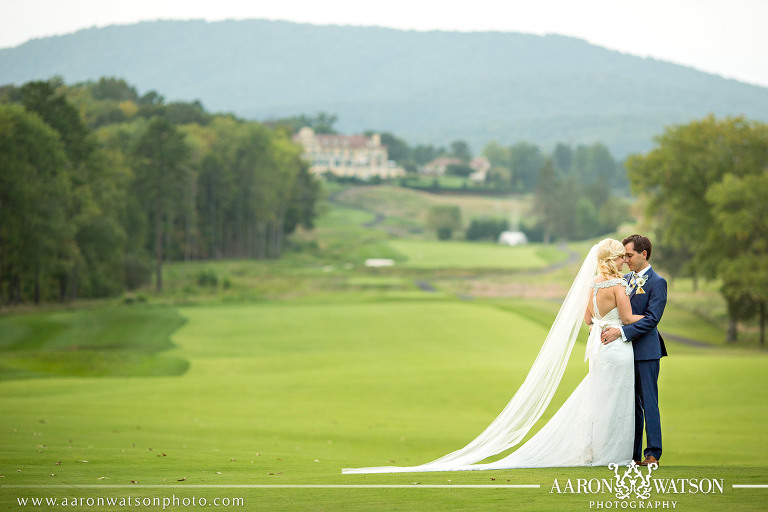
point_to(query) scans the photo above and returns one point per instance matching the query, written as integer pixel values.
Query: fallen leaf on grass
(181, 479)
(270, 474)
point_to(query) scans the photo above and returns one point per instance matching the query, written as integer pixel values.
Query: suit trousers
(647, 409)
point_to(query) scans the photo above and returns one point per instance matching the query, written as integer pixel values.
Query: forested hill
(427, 87)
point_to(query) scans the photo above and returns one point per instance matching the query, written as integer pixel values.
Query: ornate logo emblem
(633, 481)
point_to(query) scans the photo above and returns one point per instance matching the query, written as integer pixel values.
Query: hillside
(428, 87)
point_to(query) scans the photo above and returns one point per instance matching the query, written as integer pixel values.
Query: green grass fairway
(432, 255)
(291, 393)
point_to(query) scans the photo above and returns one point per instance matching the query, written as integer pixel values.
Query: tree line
(704, 188)
(577, 190)
(100, 186)
(518, 166)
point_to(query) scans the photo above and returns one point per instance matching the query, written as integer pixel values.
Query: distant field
(339, 217)
(291, 393)
(430, 254)
(412, 204)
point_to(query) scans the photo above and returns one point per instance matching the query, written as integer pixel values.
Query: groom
(647, 292)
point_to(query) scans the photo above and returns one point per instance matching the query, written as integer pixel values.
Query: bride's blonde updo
(607, 251)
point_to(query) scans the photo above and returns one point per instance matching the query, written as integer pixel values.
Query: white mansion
(347, 155)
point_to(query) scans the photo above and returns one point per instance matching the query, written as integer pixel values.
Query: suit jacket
(647, 343)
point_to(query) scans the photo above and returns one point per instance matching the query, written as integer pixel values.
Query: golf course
(250, 384)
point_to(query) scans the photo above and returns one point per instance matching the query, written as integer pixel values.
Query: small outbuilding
(513, 238)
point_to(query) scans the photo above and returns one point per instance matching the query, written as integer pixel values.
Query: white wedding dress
(594, 427)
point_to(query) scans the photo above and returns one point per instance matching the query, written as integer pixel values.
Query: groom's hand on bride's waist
(610, 334)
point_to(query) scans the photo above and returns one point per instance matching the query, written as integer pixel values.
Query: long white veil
(535, 394)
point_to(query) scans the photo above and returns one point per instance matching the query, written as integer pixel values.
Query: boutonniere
(640, 281)
(636, 282)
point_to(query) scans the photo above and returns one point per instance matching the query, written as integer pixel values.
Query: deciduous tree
(701, 189)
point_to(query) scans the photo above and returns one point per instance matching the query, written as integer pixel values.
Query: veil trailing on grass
(535, 394)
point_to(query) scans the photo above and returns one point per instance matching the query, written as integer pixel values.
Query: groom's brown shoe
(650, 459)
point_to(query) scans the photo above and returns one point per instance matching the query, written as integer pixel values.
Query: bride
(596, 424)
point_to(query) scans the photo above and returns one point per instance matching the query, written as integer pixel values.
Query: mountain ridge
(427, 87)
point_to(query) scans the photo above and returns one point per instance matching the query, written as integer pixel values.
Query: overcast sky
(726, 37)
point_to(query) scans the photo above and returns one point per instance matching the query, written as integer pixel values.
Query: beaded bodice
(608, 283)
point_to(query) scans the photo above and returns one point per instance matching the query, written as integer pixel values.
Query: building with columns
(347, 155)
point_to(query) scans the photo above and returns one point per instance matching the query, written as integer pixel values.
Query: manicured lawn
(290, 393)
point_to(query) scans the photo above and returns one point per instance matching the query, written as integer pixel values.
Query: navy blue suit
(649, 348)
